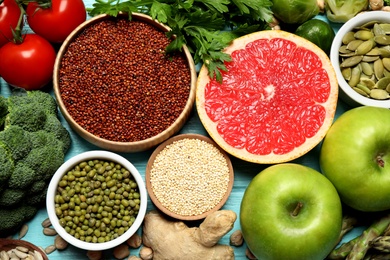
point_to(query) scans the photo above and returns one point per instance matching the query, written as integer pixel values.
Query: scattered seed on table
(23, 231)
(48, 231)
(60, 243)
(117, 82)
(189, 176)
(50, 249)
(46, 223)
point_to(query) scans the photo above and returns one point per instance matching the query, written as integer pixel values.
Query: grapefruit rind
(271, 158)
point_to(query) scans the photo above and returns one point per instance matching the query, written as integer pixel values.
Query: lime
(318, 32)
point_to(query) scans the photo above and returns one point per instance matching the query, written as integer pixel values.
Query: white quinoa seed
(189, 177)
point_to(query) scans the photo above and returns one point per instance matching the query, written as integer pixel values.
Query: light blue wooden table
(244, 172)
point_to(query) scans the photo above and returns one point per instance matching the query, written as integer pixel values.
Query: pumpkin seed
(386, 63)
(382, 83)
(384, 52)
(382, 39)
(348, 37)
(365, 59)
(366, 68)
(367, 25)
(388, 88)
(386, 73)
(364, 35)
(361, 92)
(378, 69)
(344, 50)
(374, 52)
(378, 30)
(363, 88)
(365, 47)
(346, 73)
(367, 82)
(347, 55)
(351, 61)
(353, 45)
(370, 58)
(379, 94)
(385, 27)
(355, 76)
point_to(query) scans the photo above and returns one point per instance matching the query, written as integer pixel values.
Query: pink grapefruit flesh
(277, 99)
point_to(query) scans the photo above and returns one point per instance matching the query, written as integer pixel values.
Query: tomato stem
(297, 209)
(17, 32)
(41, 3)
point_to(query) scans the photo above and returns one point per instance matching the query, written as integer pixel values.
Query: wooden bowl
(8, 244)
(117, 146)
(164, 209)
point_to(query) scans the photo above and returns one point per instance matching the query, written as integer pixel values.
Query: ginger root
(175, 240)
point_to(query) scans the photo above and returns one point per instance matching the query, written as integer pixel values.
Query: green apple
(290, 211)
(355, 157)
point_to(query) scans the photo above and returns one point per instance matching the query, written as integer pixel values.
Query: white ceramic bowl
(347, 94)
(68, 165)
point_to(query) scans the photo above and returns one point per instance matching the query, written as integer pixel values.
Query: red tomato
(57, 22)
(28, 65)
(9, 17)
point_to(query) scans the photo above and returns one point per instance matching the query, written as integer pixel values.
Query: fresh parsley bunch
(206, 27)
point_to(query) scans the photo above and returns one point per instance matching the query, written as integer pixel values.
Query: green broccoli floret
(45, 100)
(53, 125)
(22, 177)
(11, 219)
(45, 160)
(41, 99)
(17, 140)
(3, 110)
(6, 166)
(31, 117)
(43, 138)
(386, 2)
(37, 199)
(11, 197)
(33, 144)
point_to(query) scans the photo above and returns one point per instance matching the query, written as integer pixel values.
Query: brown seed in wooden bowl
(116, 86)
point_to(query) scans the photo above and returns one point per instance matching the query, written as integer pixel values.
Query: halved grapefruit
(276, 101)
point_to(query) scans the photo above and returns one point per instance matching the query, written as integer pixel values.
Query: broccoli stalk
(33, 144)
(340, 11)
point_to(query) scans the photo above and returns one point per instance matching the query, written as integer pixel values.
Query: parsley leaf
(206, 27)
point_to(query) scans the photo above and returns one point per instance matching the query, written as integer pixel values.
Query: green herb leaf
(160, 11)
(112, 7)
(206, 27)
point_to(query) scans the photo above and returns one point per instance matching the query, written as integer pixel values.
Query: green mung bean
(97, 201)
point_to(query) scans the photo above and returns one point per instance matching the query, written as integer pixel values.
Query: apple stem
(380, 161)
(297, 209)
